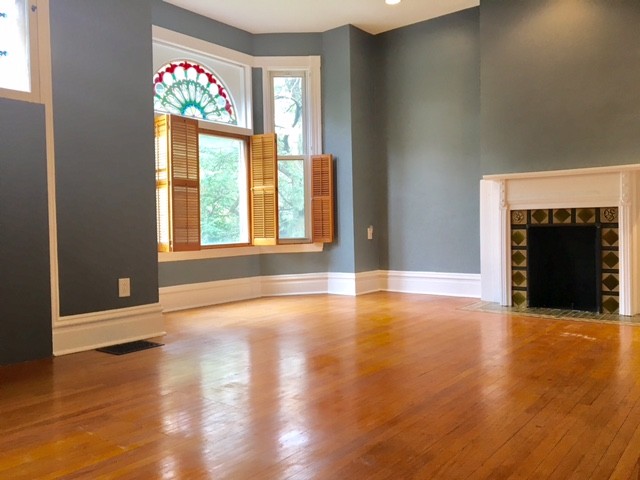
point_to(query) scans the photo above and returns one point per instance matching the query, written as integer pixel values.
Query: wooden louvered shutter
(264, 197)
(184, 184)
(322, 198)
(161, 128)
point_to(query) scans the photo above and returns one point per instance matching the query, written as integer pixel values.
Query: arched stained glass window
(191, 90)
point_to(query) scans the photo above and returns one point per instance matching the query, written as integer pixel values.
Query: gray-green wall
(431, 75)
(560, 84)
(105, 168)
(25, 305)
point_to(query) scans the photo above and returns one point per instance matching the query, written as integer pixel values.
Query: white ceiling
(285, 16)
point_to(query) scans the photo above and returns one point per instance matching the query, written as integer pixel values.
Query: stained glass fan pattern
(191, 90)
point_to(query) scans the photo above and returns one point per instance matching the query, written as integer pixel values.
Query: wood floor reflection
(382, 386)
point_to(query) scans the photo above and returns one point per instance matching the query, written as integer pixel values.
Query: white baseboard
(182, 297)
(192, 295)
(303, 284)
(77, 333)
(434, 283)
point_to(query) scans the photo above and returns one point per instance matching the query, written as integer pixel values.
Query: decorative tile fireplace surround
(606, 196)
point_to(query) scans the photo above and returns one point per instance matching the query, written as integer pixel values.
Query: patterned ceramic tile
(562, 215)
(519, 237)
(586, 215)
(518, 217)
(519, 258)
(609, 215)
(539, 217)
(519, 278)
(610, 282)
(610, 237)
(519, 299)
(610, 260)
(610, 304)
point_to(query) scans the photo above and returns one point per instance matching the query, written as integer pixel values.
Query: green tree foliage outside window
(223, 206)
(291, 199)
(288, 106)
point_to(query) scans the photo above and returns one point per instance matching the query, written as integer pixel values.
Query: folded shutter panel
(264, 197)
(322, 198)
(184, 184)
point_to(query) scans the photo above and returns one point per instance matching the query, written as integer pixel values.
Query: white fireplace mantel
(578, 188)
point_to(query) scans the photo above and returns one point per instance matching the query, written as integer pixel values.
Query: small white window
(18, 50)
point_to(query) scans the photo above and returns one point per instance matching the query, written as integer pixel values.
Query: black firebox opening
(563, 267)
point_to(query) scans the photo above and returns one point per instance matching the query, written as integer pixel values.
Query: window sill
(239, 252)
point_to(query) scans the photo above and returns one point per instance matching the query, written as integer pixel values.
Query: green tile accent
(610, 237)
(610, 304)
(586, 215)
(610, 259)
(519, 299)
(519, 238)
(540, 216)
(518, 217)
(609, 215)
(610, 281)
(519, 278)
(519, 258)
(562, 215)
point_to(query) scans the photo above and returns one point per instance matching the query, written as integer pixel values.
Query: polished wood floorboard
(382, 386)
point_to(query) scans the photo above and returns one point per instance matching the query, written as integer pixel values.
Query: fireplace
(599, 202)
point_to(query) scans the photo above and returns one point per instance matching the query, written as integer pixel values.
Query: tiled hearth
(606, 218)
(605, 196)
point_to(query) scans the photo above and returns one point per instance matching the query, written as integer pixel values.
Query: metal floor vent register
(129, 347)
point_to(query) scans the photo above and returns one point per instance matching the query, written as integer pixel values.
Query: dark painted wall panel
(431, 112)
(25, 292)
(369, 165)
(104, 155)
(336, 130)
(196, 271)
(284, 44)
(183, 21)
(559, 84)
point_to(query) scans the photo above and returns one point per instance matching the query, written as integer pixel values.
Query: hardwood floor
(382, 386)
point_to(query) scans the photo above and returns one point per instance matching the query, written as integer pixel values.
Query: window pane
(291, 198)
(15, 72)
(288, 113)
(223, 191)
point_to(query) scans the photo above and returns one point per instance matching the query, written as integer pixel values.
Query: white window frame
(38, 46)
(310, 68)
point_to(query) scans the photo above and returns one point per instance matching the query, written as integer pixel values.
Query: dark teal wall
(177, 19)
(431, 90)
(369, 161)
(336, 129)
(105, 168)
(560, 84)
(25, 292)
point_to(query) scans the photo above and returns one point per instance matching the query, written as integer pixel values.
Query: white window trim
(39, 46)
